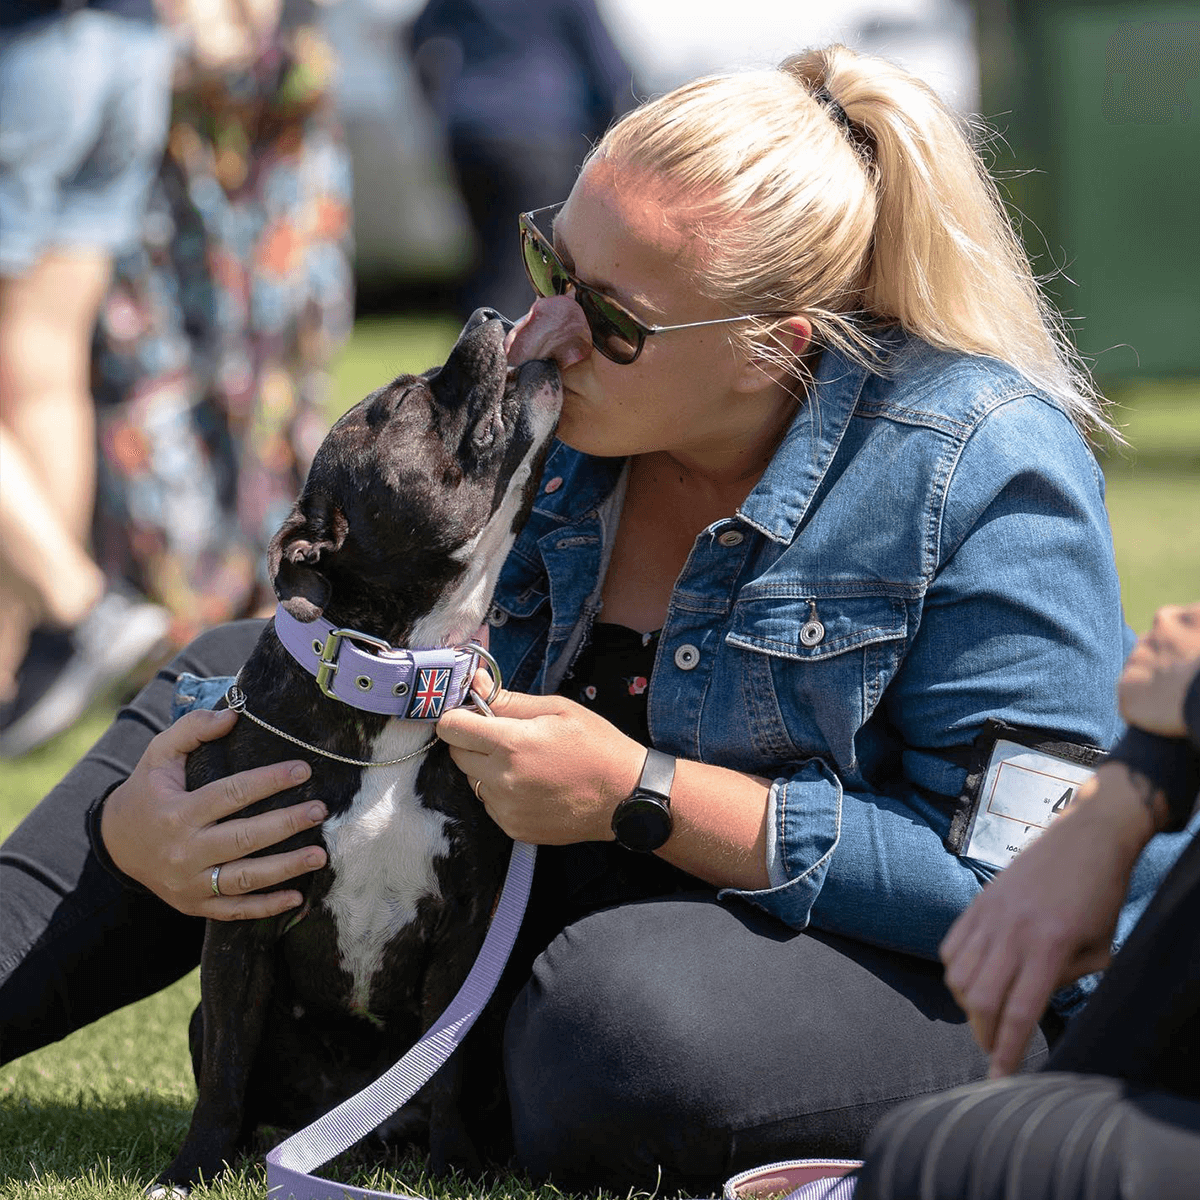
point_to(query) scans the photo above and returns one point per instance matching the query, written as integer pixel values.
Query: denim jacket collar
(782, 497)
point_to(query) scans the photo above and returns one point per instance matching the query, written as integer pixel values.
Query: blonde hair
(841, 188)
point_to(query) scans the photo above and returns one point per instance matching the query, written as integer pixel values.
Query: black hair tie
(836, 111)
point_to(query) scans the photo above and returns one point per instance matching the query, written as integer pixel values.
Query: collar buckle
(327, 664)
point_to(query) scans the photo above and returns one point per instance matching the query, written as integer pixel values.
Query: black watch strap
(642, 821)
(658, 773)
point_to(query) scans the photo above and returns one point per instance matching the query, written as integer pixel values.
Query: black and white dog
(410, 507)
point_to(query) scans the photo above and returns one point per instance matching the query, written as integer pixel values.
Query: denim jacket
(928, 548)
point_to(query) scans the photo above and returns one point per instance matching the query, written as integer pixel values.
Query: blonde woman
(822, 526)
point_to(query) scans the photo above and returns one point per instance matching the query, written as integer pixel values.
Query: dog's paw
(166, 1191)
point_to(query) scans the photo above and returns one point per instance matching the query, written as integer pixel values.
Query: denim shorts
(84, 104)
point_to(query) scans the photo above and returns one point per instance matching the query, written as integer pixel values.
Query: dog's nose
(481, 315)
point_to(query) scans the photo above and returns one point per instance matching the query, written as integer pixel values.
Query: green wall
(1101, 102)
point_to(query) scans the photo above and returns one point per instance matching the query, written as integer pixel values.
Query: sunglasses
(616, 332)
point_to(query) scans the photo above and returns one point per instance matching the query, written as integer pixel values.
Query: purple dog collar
(368, 673)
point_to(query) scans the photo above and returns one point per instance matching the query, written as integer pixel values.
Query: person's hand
(1160, 670)
(1048, 917)
(170, 839)
(547, 770)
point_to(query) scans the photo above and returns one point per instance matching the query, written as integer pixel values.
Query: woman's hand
(548, 770)
(1049, 916)
(1160, 670)
(170, 839)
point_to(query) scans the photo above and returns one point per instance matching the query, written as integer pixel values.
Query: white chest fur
(382, 850)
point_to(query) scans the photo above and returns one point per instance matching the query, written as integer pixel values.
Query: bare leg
(47, 493)
(59, 575)
(47, 443)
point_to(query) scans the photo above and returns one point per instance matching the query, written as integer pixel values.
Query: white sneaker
(111, 640)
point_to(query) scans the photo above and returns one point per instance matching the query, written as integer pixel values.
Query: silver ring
(478, 785)
(493, 668)
(215, 880)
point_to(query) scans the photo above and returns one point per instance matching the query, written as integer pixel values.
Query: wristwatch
(642, 821)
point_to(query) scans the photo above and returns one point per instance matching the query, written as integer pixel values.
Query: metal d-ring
(497, 678)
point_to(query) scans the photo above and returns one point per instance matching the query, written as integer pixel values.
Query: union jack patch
(432, 683)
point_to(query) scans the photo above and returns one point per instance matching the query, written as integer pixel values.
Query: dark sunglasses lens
(543, 268)
(614, 333)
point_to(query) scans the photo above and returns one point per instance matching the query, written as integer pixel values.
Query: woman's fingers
(955, 942)
(996, 977)
(223, 798)
(252, 908)
(242, 836)
(242, 881)
(190, 732)
(170, 839)
(1024, 1002)
(979, 979)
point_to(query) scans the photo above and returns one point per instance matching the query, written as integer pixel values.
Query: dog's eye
(487, 431)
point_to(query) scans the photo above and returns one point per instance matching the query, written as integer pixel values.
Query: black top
(520, 69)
(611, 676)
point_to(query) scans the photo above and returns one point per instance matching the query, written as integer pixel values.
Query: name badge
(1020, 783)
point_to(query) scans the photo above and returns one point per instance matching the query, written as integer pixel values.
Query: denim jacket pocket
(823, 661)
(520, 591)
(193, 691)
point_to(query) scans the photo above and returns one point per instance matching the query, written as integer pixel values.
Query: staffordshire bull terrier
(408, 512)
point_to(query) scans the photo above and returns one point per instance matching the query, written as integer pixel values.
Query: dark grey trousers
(1115, 1115)
(683, 1035)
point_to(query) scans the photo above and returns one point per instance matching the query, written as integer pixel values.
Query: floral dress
(211, 352)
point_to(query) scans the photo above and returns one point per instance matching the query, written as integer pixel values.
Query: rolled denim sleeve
(872, 866)
(1020, 621)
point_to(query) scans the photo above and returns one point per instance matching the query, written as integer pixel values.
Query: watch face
(642, 823)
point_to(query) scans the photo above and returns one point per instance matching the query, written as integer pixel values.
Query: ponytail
(842, 188)
(946, 262)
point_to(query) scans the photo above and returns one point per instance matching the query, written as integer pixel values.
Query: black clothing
(1049, 1136)
(74, 943)
(1116, 1115)
(611, 676)
(522, 89)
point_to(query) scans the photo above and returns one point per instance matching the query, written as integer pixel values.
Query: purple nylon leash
(290, 1163)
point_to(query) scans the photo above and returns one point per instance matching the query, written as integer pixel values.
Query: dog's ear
(315, 527)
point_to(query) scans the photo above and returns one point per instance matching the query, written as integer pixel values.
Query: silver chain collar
(236, 699)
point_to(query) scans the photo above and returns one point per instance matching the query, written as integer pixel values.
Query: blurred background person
(213, 345)
(83, 106)
(521, 89)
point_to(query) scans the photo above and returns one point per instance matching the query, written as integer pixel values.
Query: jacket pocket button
(496, 616)
(687, 656)
(731, 537)
(811, 632)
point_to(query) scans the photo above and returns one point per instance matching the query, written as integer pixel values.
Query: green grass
(384, 347)
(1153, 493)
(95, 1116)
